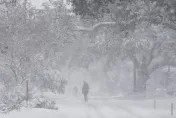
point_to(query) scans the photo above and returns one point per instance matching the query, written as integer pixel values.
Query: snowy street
(98, 108)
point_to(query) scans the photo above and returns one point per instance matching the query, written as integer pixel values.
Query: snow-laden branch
(96, 26)
(159, 63)
(156, 64)
(170, 25)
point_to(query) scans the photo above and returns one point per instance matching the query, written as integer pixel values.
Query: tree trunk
(166, 83)
(142, 78)
(134, 78)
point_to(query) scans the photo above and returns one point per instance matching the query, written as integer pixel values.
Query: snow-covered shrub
(41, 102)
(11, 99)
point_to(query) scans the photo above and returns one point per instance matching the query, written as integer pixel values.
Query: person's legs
(85, 97)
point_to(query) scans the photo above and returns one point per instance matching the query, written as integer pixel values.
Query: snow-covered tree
(133, 20)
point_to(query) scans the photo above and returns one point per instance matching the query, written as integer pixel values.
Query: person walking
(85, 91)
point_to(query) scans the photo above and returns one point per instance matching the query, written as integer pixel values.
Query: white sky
(37, 3)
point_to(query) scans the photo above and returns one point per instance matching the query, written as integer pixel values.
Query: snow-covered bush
(11, 99)
(14, 99)
(41, 102)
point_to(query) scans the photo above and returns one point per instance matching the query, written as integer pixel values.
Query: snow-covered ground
(70, 107)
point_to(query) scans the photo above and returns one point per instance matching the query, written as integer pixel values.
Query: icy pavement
(98, 108)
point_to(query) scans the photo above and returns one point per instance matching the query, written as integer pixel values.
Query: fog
(87, 58)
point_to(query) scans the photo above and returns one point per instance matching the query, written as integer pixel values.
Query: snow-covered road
(111, 109)
(97, 108)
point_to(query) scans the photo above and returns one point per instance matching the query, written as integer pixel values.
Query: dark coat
(85, 88)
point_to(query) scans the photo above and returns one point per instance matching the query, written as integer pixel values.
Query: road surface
(110, 108)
